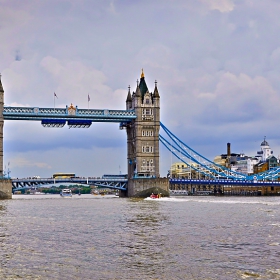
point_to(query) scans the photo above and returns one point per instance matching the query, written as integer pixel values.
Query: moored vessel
(178, 192)
(66, 193)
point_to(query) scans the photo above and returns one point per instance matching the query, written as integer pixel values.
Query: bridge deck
(94, 115)
(224, 182)
(120, 184)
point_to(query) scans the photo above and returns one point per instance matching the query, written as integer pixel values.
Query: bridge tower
(143, 132)
(143, 142)
(1, 127)
(5, 183)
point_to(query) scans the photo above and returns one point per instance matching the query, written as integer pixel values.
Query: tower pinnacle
(142, 74)
(128, 99)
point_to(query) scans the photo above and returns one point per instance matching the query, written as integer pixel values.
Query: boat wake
(226, 200)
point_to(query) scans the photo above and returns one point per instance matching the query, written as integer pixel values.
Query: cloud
(216, 63)
(19, 162)
(75, 80)
(223, 6)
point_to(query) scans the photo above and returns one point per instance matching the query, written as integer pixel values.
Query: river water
(94, 237)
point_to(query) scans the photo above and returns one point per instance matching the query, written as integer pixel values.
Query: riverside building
(263, 161)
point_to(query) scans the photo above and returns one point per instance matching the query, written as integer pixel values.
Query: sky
(216, 62)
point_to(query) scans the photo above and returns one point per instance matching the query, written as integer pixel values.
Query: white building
(265, 151)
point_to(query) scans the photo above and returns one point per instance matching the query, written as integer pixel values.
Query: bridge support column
(1, 127)
(137, 187)
(5, 189)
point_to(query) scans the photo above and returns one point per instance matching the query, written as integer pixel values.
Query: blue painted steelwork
(53, 123)
(114, 183)
(113, 176)
(224, 182)
(93, 115)
(204, 166)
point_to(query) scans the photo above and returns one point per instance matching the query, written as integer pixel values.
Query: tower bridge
(141, 120)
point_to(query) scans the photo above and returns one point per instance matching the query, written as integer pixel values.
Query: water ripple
(48, 237)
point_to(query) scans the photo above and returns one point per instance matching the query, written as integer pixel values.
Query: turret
(137, 92)
(156, 96)
(128, 100)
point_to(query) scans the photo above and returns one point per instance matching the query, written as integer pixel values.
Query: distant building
(177, 170)
(183, 171)
(265, 151)
(269, 163)
(266, 159)
(263, 161)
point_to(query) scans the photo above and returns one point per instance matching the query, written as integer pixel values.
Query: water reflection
(144, 240)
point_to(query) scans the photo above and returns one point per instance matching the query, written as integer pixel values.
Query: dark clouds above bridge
(217, 64)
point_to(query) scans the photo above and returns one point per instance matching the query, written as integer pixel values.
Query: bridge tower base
(144, 187)
(5, 189)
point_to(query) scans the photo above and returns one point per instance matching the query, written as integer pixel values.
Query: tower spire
(156, 94)
(128, 99)
(138, 92)
(142, 74)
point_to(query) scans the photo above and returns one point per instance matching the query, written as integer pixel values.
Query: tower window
(147, 149)
(147, 111)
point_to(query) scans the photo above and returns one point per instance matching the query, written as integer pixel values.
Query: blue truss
(115, 183)
(206, 167)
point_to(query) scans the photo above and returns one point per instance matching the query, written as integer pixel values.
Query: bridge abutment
(5, 189)
(144, 187)
(1, 127)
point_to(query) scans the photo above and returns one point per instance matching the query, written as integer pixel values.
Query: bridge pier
(5, 189)
(144, 187)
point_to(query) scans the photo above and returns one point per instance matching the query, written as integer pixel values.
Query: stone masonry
(143, 139)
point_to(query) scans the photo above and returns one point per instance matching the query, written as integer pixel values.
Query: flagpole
(54, 96)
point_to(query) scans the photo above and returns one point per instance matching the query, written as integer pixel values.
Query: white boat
(66, 193)
(178, 193)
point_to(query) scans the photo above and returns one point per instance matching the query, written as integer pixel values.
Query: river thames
(94, 237)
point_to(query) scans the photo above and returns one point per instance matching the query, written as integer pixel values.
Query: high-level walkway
(57, 117)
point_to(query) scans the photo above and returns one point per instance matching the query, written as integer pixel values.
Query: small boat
(66, 193)
(155, 196)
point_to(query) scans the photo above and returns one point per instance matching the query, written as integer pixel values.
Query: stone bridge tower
(143, 132)
(5, 183)
(1, 127)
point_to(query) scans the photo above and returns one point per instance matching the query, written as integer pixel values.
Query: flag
(55, 95)
(88, 98)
